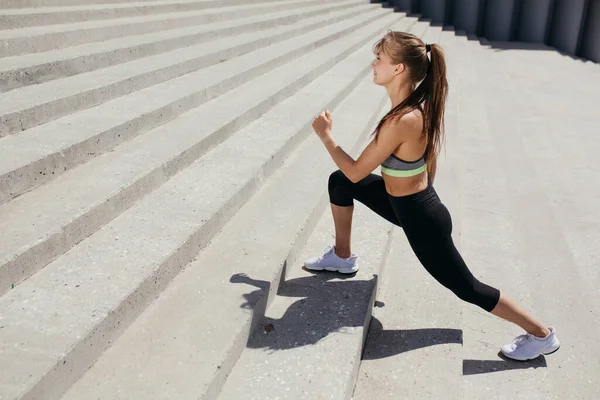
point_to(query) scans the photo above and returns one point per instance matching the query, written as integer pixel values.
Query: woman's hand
(322, 126)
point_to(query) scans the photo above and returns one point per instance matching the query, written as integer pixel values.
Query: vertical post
(499, 19)
(590, 41)
(409, 6)
(534, 20)
(435, 10)
(465, 15)
(567, 23)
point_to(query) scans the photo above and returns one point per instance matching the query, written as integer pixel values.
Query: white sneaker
(331, 262)
(527, 346)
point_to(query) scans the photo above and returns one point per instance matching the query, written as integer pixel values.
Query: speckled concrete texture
(238, 273)
(522, 148)
(122, 176)
(116, 272)
(156, 207)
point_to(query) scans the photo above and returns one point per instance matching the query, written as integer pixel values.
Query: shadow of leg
(475, 367)
(388, 343)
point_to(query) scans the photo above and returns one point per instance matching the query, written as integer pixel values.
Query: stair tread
(29, 97)
(42, 217)
(8, 64)
(75, 26)
(66, 142)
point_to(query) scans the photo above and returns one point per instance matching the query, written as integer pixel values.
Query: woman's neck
(399, 93)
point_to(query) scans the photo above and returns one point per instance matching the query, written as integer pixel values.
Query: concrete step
(16, 42)
(317, 339)
(41, 226)
(40, 16)
(488, 241)
(562, 71)
(308, 345)
(414, 346)
(543, 228)
(41, 67)
(11, 4)
(65, 96)
(113, 275)
(39, 154)
(219, 276)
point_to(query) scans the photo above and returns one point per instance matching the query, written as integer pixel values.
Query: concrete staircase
(141, 143)
(160, 187)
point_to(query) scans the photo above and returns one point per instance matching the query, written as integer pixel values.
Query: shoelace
(327, 250)
(522, 340)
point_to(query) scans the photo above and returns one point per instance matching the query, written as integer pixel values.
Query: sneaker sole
(530, 358)
(333, 269)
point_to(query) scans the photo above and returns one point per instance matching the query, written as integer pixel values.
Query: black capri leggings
(428, 227)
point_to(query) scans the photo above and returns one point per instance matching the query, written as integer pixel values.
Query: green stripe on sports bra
(404, 174)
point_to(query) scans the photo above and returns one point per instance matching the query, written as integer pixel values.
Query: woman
(406, 145)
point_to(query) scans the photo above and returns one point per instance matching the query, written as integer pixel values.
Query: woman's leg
(443, 261)
(509, 310)
(429, 229)
(342, 218)
(342, 192)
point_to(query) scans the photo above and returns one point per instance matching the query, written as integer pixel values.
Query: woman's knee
(337, 179)
(337, 185)
(479, 294)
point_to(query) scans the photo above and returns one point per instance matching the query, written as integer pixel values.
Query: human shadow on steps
(329, 303)
(382, 343)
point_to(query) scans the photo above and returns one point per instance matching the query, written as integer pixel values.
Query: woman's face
(383, 69)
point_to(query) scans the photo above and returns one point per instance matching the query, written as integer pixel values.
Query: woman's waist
(404, 187)
(421, 199)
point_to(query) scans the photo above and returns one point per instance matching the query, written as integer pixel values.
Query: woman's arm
(373, 155)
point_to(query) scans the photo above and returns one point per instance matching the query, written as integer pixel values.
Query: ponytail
(435, 87)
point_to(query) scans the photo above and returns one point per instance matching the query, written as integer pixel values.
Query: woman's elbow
(355, 178)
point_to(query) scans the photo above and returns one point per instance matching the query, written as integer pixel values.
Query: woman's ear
(399, 69)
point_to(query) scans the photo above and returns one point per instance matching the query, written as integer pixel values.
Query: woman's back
(405, 171)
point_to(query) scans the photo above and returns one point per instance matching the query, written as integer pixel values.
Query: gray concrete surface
(46, 66)
(30, 106)
(8, 4)
(108, 185)
(92, 274)
(27, 17)
(14, 42)
(243, 279)
(525, 225)
(555, 238)
(415, 337)
(127, 205)
(55, 147)
(318, 322)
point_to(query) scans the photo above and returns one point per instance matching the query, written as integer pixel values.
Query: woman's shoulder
(408, 124)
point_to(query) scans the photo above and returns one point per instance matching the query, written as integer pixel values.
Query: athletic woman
(406, 145)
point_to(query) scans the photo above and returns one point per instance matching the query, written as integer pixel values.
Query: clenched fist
(322, 125)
